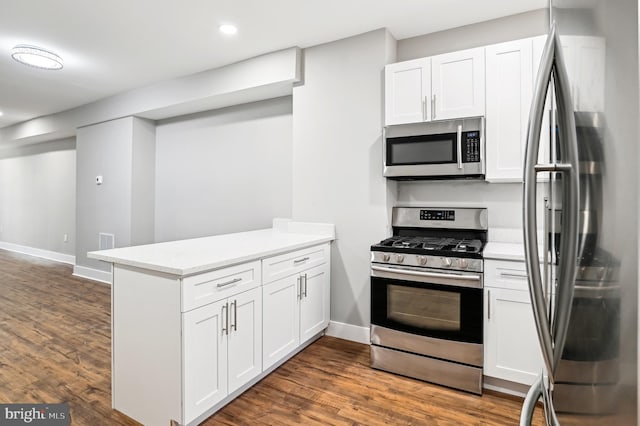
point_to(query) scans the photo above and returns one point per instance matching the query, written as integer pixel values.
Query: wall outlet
(65, 238)
(99, 180)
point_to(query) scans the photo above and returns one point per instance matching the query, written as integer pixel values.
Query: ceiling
(113, 46)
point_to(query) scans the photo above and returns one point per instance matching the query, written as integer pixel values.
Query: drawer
(506, 274)
(283, 265)
(202, 289)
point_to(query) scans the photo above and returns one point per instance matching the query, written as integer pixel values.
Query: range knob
(385, 257)
(422, 260)
(446, 261)
(463, 263)
(399, 258)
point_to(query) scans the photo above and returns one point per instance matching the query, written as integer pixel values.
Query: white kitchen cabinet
(222, 350)
(205, 358)
(509, 75)
(458, 84)
(408, 91)
(511, 70)
(295, 307)
(435, 88)
(511, 349)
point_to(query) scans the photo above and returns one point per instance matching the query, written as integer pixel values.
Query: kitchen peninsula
(197, 322)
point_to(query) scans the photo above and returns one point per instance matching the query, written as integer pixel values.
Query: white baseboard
(351, 332)
(92, 274)
(45, 254)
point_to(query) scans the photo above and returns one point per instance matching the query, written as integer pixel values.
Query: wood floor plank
(55, 347)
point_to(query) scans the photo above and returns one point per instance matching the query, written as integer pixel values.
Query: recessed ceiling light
(228, 29)
(1, 114)
(36, 57)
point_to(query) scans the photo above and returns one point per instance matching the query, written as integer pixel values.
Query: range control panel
(471, 147)
(437, 215)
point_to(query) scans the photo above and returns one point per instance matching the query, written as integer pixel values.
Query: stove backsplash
(503, 200)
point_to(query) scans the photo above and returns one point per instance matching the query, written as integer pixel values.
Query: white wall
(337, 160)
(223, 171)
(37, 196)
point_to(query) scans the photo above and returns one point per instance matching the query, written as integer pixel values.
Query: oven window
(421, 152)
(427, 309)
(424, 149)
(423, 308)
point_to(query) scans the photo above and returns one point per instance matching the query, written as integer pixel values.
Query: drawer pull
(304, 259)
(226, 283)
(513, 275)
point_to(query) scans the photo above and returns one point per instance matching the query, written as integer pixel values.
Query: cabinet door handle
(305, 285)
(488, 304)
(304, 259)
(226, 283)
(433, 107)
(513, 275)
(225, 318)
(299, 287)
(234, 305)
(424, 109)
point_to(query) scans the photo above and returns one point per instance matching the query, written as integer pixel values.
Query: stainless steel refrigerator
(582, 255)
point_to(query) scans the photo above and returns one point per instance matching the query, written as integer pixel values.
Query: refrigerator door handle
(552, 63)
(529, 202)
(570, 202)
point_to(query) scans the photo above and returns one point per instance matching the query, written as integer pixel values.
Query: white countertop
(506, 244)
(187, 257)
(503, 251)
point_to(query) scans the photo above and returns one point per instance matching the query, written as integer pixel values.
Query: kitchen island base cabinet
(296, 308)
(184, 346)
(222, 350)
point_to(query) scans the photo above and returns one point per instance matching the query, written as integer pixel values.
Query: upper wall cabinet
(511, 71)
(436, 88)
(407, 91)
(509, 91)
(458, 84)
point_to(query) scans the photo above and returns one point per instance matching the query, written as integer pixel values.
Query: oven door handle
(461, 280)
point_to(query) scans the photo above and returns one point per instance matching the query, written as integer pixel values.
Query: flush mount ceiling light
(36, 57)
(228, 29)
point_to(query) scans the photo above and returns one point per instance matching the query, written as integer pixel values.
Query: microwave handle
(459, 146)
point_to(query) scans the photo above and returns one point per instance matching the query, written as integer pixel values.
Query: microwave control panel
(471, 147)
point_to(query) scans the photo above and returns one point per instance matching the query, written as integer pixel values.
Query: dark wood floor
(55, 347)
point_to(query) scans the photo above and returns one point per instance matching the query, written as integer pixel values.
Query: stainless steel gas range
(426, 296)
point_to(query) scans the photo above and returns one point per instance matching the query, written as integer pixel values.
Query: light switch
(99, 180)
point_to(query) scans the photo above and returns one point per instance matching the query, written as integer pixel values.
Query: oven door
(444, 305)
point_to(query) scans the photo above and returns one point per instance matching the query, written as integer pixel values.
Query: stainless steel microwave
(448, 149)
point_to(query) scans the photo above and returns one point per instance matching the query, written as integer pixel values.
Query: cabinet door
(511, 342)
(314, 302)
(205, 358)
(509, 75)
(281, 319)
(245, 337)
(458, 85)
(407, 91)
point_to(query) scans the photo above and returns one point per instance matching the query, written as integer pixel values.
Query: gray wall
(337, 164)
(512, 27)
(503, 200)
(107, 149)
(223, 171)
(37, 195)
